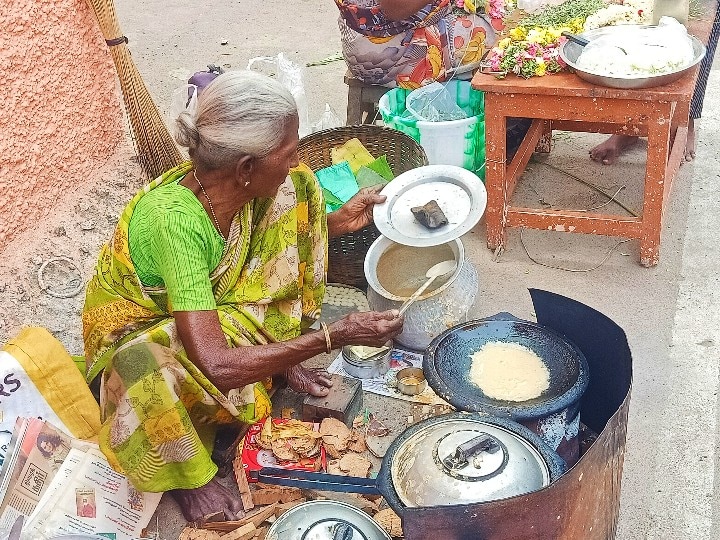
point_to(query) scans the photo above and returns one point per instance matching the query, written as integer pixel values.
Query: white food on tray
(665, 48)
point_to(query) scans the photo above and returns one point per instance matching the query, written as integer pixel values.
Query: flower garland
(532, 48)
(495, 9)
(531, 52)
(499, 9)
(526, 59)
(629, 12)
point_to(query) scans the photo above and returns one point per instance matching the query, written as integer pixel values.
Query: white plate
(460, 194)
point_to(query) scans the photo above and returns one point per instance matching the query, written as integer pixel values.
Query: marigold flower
(518, 34)
(504, 43)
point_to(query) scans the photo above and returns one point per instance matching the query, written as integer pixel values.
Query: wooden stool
(363, 98)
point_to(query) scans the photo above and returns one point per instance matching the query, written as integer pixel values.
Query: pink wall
(61, 116)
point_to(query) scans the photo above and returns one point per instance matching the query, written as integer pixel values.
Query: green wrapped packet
(366, 177)
(382, 167)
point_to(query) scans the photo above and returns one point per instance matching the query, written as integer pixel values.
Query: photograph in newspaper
(43, 449)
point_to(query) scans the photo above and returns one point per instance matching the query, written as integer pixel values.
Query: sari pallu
(159, 411)
(423, 48)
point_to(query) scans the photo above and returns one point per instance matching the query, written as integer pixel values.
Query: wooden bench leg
(495, 176)
(655, 178)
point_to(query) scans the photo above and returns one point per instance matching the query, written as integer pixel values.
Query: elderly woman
(213, 273)
(410, 43)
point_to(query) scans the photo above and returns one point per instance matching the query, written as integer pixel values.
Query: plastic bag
(290, 75)
(39, 378)
(185, 97)
(434, 103)
(328, 120)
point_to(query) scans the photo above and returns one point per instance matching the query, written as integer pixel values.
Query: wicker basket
(347, 252)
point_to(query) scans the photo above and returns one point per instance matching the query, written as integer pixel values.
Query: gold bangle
(328, 344)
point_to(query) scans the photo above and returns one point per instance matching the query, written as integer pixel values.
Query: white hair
(239, 113)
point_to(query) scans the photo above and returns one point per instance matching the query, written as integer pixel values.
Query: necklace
(210, 204)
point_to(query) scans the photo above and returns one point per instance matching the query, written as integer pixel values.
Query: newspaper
(89, 497)
(21, 444)
(65, 485)
(42, 451)
(384, 385)
(5, 437)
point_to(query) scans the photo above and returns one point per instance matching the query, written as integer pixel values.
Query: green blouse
(174, 245)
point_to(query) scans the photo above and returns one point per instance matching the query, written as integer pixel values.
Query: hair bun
(186, 132)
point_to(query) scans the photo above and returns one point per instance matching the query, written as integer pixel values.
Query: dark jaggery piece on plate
(430, 215)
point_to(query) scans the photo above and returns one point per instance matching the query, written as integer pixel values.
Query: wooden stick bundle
(153, 143)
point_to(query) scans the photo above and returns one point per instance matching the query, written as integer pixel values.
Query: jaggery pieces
(430, 215)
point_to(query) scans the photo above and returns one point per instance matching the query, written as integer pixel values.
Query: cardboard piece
(254, 456)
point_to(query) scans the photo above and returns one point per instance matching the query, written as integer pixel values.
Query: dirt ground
(669, 312)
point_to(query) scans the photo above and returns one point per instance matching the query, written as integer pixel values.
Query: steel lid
(460, 194)
(463, 459)
(325, 520)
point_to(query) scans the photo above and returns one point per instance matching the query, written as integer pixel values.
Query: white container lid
(460, 194)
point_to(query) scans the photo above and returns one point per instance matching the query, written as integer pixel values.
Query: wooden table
(564, 101)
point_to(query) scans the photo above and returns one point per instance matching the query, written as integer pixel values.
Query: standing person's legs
(696, 105)
(612, 148)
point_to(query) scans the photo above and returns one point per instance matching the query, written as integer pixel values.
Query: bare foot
(209, 499)
(690, 144)
(612, 148)
(315, 383)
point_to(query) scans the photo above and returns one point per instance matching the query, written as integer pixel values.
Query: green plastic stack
(454, 142)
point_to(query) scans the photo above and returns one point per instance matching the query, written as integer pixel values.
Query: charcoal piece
(430, 215)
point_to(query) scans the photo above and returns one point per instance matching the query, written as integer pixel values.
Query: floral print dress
(445, 38)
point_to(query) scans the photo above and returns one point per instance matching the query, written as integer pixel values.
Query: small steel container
(366, 362)
(411, 381)
(325, 520)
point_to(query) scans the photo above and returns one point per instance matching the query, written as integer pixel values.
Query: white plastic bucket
(454, 142)
(444, 142)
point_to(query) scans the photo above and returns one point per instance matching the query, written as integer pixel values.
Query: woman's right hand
(371, 328)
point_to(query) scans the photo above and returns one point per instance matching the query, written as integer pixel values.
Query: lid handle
(469, 449)
(343, 531)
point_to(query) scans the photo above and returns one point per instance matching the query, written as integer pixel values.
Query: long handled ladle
(438, 270)
(583, 42)
(575, 38)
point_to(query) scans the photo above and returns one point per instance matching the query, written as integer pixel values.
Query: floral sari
(443, 39)
(159, 411)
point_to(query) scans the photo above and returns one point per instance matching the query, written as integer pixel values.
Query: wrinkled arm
(228, 368)
(397, 10)
(356, 213)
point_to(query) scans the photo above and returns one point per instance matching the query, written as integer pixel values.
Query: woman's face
(271, 171)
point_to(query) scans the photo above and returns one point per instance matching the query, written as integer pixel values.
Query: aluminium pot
(453, 459)
(435, 311)
(554, 415)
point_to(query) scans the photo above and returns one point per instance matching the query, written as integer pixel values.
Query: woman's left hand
(356, 213)
(309, 381)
